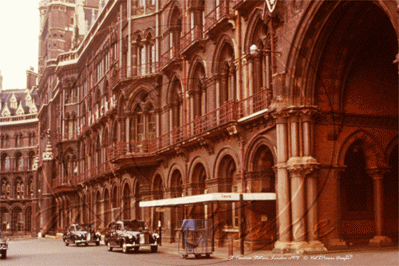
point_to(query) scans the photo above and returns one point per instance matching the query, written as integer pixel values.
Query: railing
(17, 118)
(144, 69)
(229, 112)
(222, 10)
(252, 104)
(123, 148)
(194, 34)
(168, 56)
(135, 71)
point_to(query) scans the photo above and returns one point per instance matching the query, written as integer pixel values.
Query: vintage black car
(81, 234)
(131, 234)
(3, 245)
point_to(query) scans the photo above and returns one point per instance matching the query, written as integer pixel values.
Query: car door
(111, 234)
(69, 237)
(119, 234)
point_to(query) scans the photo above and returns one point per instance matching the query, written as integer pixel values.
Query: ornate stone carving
(48, 153)
(302, 166)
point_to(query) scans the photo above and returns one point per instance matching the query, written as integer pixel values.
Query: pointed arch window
(31, 160)
(5, 163)
(19, 162)
(175, 32)
(18, 140)
(144, 123)
(5, 189)
(145, 55)
(19, 188)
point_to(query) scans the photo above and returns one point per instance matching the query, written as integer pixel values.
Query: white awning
(208, 198)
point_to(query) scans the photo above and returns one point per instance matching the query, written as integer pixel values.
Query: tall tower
(63, 25)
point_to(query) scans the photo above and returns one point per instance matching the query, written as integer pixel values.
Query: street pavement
(50, 251)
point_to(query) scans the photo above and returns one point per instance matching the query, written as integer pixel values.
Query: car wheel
(97, 243)
(154, 248)
(66, 243)
(86, 244)
(136, 249)
(124, 247)
(4, 254)
(109, 248)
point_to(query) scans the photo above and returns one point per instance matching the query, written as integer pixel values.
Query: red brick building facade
(171, 99)
(18, 157)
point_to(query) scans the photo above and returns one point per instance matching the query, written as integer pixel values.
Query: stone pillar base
(282, 247)
(336, 244)
(380, 241)
(314, 246)
(299, 247)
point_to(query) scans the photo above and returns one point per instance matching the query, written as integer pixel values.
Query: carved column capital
(377, 173)
(281, 116)
(302, 166)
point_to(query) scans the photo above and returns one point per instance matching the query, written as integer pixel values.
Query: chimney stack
(31, 78)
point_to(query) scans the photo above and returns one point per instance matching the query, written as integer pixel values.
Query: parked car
(131, 234)
(81, 234)
(3, 245)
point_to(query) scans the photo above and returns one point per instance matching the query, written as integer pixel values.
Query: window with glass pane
(151, 125)
(139, 126)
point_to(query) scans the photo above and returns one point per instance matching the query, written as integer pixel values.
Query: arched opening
(226, 70)
(261, 214)
(197, 92)
(198, 187)
(5, 220)
(115, 205)
(28, 220)
(158, 191)
(85, 210)
(137, 196)
(356, 194)
(98, 210)
(107, 208)
(227, 213)
(263, 173)
(177, 212)
(344, 67)
(17, 223)
(176, 110)
(126, 202)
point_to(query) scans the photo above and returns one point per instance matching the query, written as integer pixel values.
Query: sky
(19, 32)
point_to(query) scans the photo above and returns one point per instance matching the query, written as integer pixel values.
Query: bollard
(160, 236)
(230, 245)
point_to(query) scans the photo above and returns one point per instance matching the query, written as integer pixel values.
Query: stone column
(46, 198)
(297, 172)
(283, 186)
(379, 239)
(127, 132)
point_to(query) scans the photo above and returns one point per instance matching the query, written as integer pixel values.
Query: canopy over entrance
(209, 198)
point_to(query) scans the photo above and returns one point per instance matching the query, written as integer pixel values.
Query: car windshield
(80, 227)
(135, 226)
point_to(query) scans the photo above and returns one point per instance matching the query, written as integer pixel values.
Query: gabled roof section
(18, 102)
